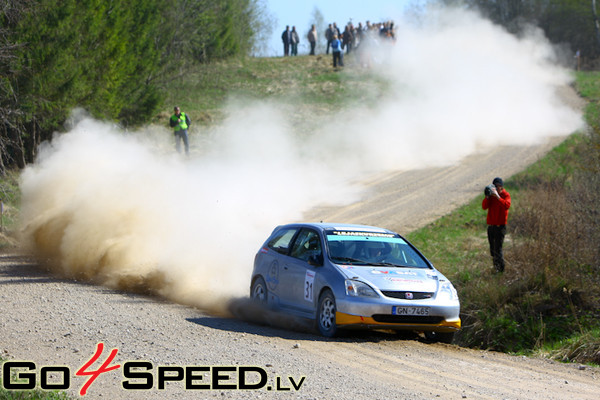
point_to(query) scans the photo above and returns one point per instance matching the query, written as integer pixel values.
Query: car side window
(281, 242)
(307, 244)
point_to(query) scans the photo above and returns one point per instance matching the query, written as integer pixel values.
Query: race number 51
(309, 280)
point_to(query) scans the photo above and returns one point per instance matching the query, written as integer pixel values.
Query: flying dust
(121, 209)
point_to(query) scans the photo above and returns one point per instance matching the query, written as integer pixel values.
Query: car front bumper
(361, 313)
(356, 321)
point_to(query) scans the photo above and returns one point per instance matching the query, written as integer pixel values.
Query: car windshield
(371, 248)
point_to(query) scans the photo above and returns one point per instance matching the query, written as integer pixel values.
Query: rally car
(354, 276)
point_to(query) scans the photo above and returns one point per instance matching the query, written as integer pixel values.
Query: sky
(299, 14)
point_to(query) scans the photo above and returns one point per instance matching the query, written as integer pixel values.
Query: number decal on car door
(309, 280)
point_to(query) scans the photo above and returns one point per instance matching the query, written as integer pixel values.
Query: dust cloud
(123, 209)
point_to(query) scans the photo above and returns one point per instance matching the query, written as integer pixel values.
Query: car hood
(395, 278)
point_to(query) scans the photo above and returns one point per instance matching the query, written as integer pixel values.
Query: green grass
(32, 395)
(10, 197)
(583, 348)
(309, 82)
(36, 394)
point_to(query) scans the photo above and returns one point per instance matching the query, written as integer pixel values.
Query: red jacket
(497, 208)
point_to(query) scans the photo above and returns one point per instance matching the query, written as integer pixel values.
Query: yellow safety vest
(182, 121)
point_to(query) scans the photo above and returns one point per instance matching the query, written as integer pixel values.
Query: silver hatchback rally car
(354, 276)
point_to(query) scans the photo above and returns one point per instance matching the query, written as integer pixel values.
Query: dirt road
(55, 322)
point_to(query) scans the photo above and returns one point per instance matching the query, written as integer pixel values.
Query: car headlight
(448, 291)
(359, 289)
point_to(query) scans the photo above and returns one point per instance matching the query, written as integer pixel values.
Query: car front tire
(326, 314)
(259, 290)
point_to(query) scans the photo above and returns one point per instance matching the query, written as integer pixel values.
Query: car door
(271, 263)
(298, 275)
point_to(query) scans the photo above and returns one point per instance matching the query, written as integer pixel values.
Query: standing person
(312, 39)
(329, 37)
(336, 30)
(497, 202)
(358, 37)
(180, 122)
(294, 40)
(336, 51)
(286, 38)
(347, 38)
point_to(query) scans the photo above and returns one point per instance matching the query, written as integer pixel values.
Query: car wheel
(444, 337)
(326, 314)
(259, 290)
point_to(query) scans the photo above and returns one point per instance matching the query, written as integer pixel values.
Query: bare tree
(319, 21)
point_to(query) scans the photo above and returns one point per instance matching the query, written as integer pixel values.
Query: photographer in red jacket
(497, 202)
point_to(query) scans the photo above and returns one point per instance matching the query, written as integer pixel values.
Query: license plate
(397, 310)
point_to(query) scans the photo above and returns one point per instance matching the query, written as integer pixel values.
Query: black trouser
(338, 58)
(496, 235)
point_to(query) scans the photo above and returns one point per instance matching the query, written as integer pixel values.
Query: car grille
(402, 295)
(407, 319)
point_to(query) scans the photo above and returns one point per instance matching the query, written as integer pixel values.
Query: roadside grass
(10, 197)
(588, 85)
(579, 348)
(548, 299)
(36, 394)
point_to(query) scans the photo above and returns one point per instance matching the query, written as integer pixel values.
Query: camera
(489, 189)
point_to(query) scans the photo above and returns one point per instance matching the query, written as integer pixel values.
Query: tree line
(113, 57)
(568, 22)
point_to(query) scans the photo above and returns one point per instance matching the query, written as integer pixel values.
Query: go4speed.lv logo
(140, 375)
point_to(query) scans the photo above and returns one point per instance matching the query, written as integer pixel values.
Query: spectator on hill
(336, 31)
(336, 51)
(180, 122)
(294, 40)
(497, 202)
(312, 39)
(286, 38)
(358, 37)
(329, 37)
(347, 38)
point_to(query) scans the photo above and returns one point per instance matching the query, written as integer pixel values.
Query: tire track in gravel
(448, 372)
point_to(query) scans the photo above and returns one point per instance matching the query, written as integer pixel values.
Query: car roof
(340, 227)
